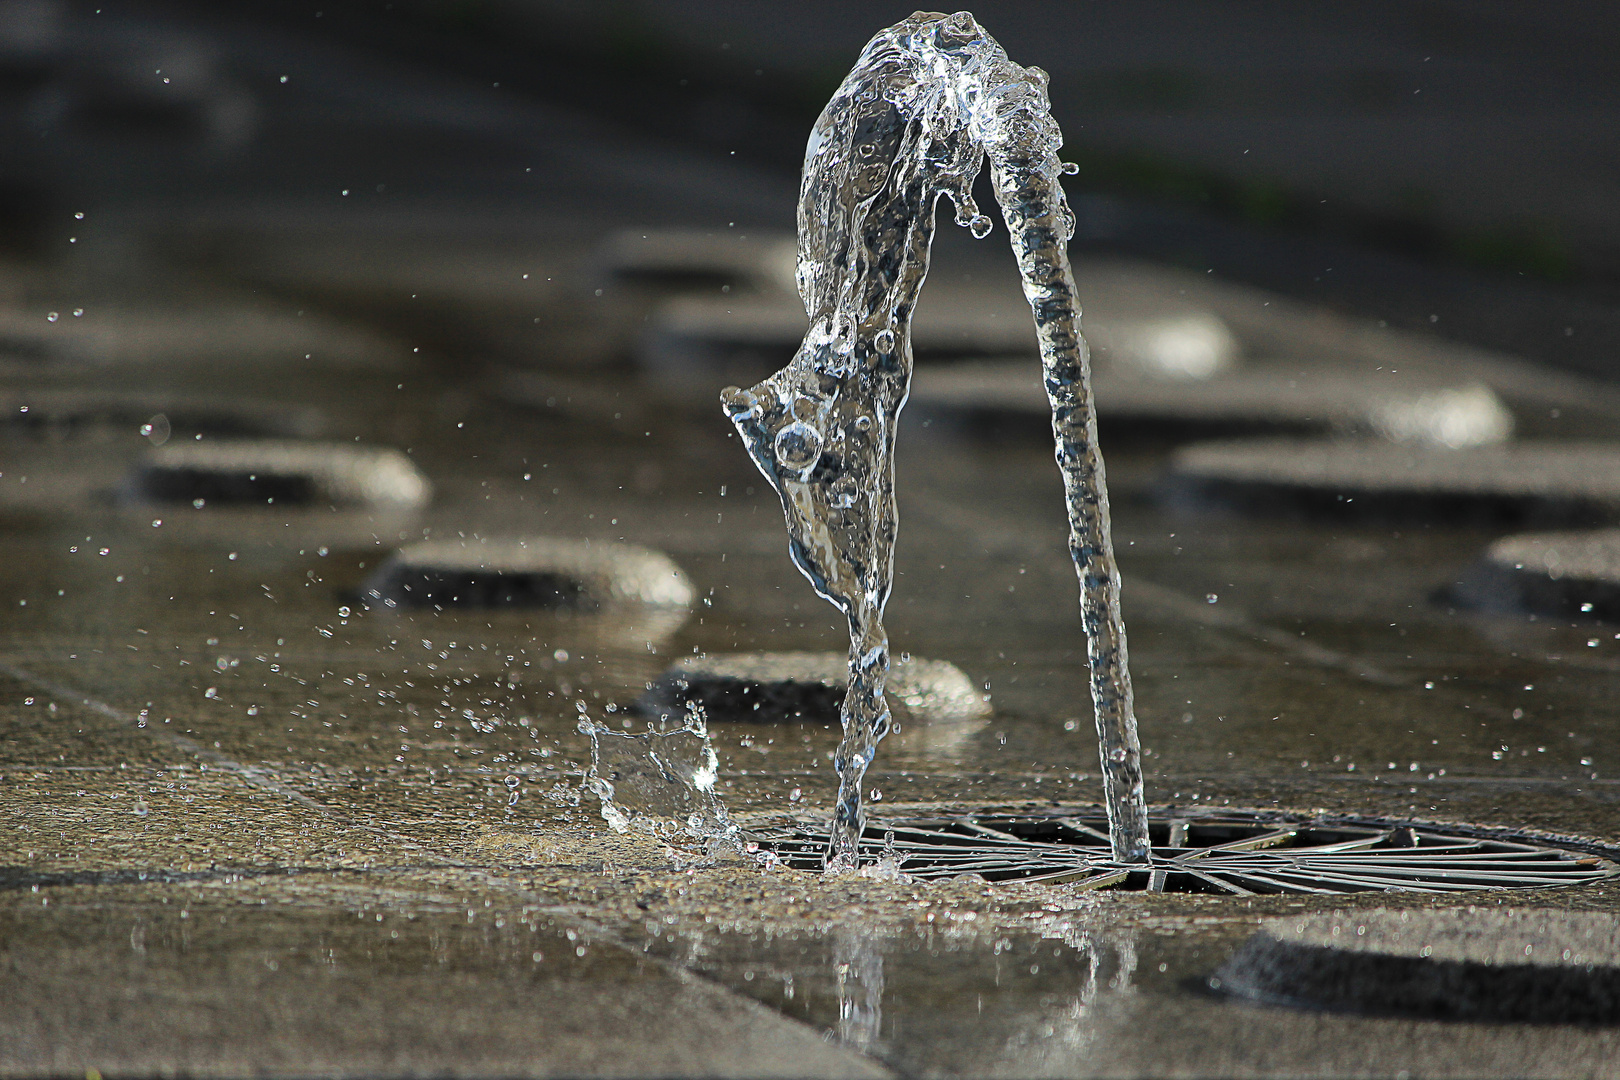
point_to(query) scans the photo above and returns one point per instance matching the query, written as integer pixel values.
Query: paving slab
(1524, 482)
(122, 980)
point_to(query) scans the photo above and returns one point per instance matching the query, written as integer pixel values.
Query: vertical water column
(1025, 168)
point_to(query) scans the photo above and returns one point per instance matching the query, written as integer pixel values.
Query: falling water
(928, 101)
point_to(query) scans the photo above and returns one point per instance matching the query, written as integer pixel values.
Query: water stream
(928, 101)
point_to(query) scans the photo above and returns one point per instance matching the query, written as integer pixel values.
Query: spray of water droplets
(929, 100)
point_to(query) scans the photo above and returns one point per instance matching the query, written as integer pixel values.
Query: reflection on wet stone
(858, 964)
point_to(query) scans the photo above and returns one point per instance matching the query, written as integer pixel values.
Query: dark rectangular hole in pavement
(227, 488)
(413, 587)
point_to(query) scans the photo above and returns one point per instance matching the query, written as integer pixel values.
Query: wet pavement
(252, 824)
(222, 770)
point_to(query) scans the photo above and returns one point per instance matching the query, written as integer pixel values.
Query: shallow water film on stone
(929, 100)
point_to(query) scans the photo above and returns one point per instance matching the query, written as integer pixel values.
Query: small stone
(1001, 395)
(1497, 965)
(1573, 574)
(284, 474)
(533, 572)
(809, 686)
(1575, 483)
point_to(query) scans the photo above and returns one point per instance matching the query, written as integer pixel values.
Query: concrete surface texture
(251, 826)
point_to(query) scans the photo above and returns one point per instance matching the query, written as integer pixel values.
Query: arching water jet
(927, 102)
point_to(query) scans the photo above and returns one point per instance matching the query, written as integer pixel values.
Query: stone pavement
(250, 825)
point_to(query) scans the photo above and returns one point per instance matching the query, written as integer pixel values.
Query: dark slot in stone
(280, 474)
(1486, 965)
(1571, 574)
(1563, 483)
(772, 687)
(535, 572)
(227, 488)
(90, 415)
(997, 399)
(693, 259)
(424, 587)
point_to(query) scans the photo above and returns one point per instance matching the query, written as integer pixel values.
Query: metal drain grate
(1234, 853)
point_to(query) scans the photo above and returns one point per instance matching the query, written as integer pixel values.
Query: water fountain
(928, 101)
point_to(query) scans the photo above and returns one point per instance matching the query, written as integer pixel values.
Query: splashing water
(661, 783)
(930, 98)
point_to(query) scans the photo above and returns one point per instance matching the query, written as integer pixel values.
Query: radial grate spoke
(1241, 853)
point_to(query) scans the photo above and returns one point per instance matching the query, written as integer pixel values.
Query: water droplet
(53, 316)
(883, 341)
(797, 447)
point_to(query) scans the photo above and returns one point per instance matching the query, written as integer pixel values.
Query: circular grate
(1237, 853)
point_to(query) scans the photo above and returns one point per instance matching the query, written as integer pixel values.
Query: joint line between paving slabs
(1186, 607)
(255, 775)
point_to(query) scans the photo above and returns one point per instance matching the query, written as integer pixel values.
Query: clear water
(929, 100)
